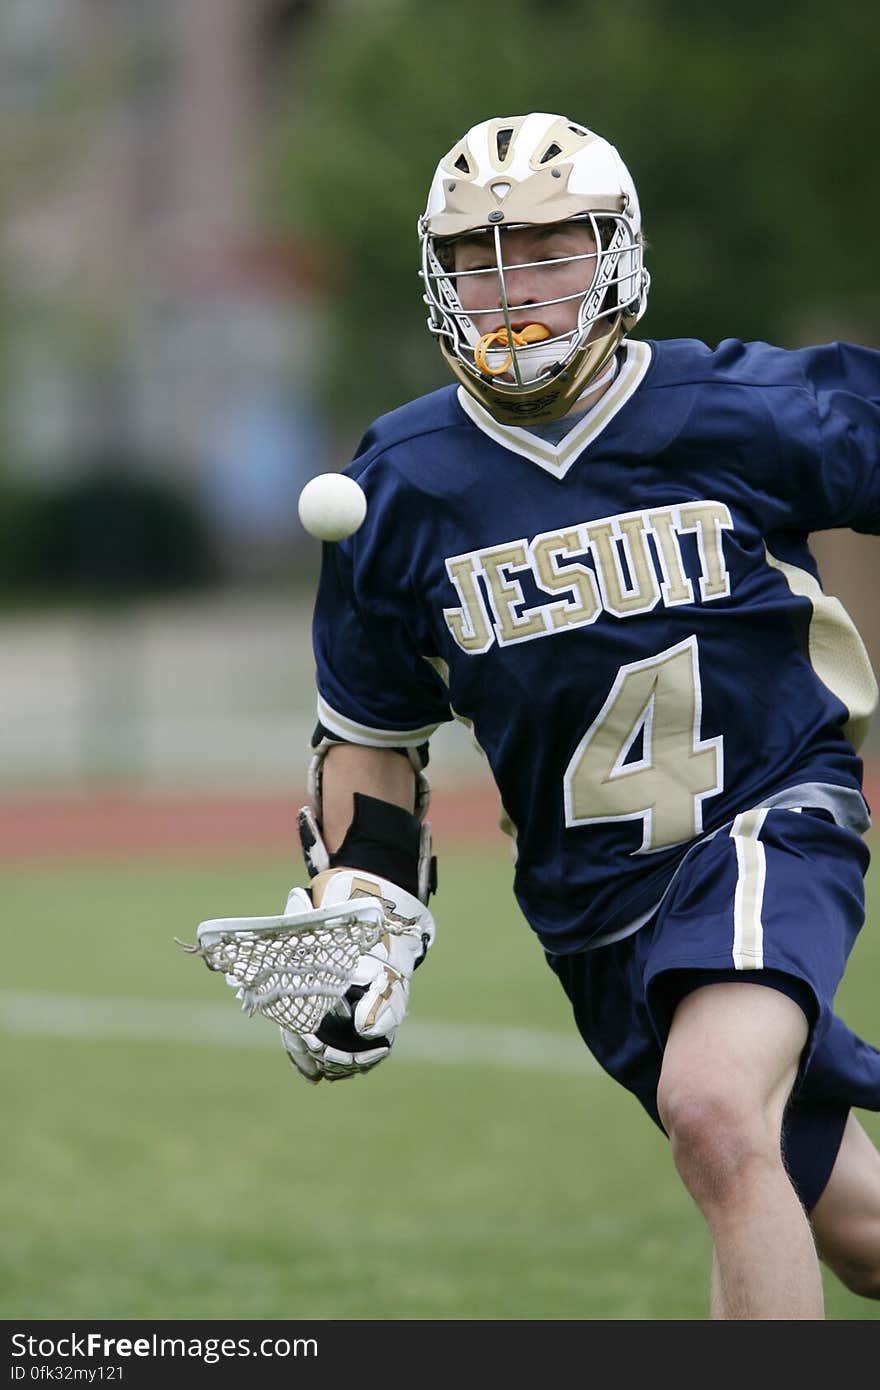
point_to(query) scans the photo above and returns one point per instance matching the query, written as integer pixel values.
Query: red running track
(116, 825)
(107, 825)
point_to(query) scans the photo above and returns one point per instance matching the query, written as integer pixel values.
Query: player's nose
(520, 287)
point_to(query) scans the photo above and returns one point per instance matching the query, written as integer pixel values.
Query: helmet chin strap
(603, 379)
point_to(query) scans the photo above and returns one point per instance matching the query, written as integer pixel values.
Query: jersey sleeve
(845, 381)
(376, 683)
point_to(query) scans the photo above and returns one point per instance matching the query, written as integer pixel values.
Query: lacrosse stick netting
(293, 968)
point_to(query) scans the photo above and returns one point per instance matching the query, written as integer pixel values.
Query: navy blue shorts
(778, 899)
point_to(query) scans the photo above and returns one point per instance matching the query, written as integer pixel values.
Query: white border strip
(43, 1015)
(353, 732)
(751, 861)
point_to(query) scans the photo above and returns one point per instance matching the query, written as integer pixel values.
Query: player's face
(530, 276)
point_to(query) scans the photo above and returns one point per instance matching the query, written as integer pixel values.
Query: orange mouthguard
(532, 333)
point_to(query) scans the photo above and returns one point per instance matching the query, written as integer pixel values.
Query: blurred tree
(53, 106)
(750, 133)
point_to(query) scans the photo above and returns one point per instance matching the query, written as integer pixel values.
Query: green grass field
(166, 1162)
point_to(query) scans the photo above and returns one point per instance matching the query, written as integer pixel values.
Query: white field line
(43, 1015)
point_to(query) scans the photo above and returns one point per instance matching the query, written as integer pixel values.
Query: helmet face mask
(515, 183)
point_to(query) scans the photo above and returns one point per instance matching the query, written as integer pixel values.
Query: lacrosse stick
(295, 967)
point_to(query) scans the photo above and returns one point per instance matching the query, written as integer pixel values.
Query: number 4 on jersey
(661, 699)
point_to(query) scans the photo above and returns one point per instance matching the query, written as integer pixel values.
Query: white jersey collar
(558, 458)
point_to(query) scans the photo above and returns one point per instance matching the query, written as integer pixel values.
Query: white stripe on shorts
(748, 929)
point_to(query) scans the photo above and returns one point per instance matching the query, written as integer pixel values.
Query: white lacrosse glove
(359, 1030)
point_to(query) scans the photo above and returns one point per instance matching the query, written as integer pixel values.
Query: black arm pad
(382, 839)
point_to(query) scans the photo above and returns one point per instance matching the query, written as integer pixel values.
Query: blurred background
(208, 288)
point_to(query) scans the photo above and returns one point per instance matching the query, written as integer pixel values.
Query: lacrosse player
(594, 550)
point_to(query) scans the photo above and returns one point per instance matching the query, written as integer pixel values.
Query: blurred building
(151, 318)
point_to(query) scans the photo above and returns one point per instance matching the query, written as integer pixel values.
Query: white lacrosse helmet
(526, 171)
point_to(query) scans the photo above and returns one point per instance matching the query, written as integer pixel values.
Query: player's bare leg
(729, 1065)
(846, 1218)
(717, 1305)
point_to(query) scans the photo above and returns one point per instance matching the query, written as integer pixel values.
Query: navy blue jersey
(629, 618)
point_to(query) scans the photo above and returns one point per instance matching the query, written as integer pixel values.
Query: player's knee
(716, 1144)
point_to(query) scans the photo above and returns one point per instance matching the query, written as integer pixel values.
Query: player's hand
(359, 1031)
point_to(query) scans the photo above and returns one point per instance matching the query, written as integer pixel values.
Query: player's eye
(553, 250)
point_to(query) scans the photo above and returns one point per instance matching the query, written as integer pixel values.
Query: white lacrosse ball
(332, 506)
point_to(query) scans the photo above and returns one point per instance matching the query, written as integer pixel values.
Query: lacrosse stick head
(295, 967)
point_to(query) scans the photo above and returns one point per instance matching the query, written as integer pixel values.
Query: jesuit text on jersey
(627, 575)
